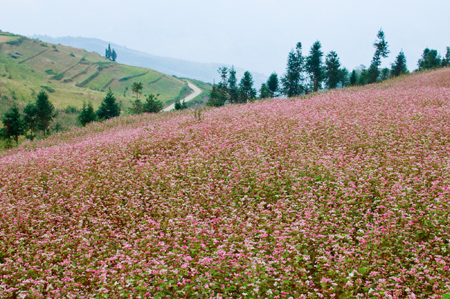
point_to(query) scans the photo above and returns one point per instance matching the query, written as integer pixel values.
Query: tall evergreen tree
(314, 65)
(31, 121)
(272, 85)
(264, 92)
(87, 114)
(292, 81)
(233, 86)
(108, 52)
(399, 66)
(13, 125)
(332, 70)
(381, 51)
(363, 78)
(246, 90)
(430, 59)
(45, 112)
(353, 78)
(113, 55)
(222, 87)
(109, 107)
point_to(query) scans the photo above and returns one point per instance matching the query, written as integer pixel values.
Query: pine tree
(45, 112)
(314, 65)
(246, 91)
(108, 52)
(222, 87)
(31, 121)
(272, 85)
(153, 105)
(353, 78)
(87, 114)
(113, 55)
(363, 78)
(333, 73)
(13, 125)
(264, 92)
(214, 97)
(137, 107)
(292, 81)
(232, 86)
(399, 66)
(385, 74)
(430, 59)
(381, 51)
(109, 107)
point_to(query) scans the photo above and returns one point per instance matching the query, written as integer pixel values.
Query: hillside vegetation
(71, 75)
(343, 194)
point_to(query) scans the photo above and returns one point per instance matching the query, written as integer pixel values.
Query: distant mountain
(206, 72)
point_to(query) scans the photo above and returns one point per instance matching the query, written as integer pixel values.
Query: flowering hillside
(342, 195)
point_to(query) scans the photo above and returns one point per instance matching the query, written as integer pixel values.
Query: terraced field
(75, 75)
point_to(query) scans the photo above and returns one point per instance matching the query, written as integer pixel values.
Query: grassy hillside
(343, 194)
(70, 75)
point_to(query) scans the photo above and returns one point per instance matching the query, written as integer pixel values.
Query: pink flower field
(345, 194)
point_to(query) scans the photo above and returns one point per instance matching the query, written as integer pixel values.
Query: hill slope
(71, 75)
(206, 72)
(344, 194)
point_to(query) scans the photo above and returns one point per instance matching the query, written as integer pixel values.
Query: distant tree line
(316, 71)
(38, 116)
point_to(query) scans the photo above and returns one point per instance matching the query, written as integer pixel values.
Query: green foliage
(16, 42)
(110, 54)
(57, 76)
(180, 105)
(87, 114)
(292, 81)
(246, 91)
(314, 65)
(45, 112)
(152, 104)
(109, 107)
(233, 89)
(13, 125)
(49, 72)
(430, 59)
(264, 92)
(363, 78)
(215, 97)
(381, 51)
(399, 66)
(132, 77)
(137, 88)
(31, 121)
(272, 85)
(353, 78)
(48, 88)
(332, 70)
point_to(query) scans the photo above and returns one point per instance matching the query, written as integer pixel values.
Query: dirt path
(196, 92)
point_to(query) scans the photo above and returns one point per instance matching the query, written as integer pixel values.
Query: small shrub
(49, 72)
(48, 88)
(57, 76)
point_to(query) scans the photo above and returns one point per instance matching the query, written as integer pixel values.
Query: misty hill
(206, 72)
(71, 75)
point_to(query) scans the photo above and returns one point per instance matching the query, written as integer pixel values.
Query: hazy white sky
(253, 34)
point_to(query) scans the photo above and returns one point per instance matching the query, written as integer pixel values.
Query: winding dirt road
(196, 92)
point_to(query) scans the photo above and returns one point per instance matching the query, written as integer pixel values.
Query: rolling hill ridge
(72, 75)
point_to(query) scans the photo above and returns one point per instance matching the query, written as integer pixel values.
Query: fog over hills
(206, 72)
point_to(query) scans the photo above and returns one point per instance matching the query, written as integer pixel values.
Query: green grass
(23, 69)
